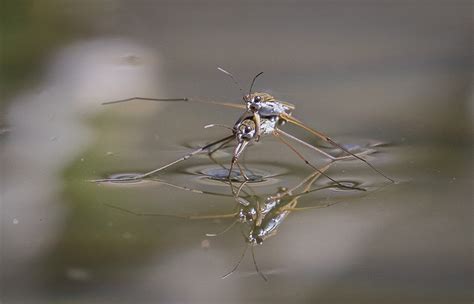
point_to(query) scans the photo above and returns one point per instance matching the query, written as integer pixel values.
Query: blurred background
(395, 73)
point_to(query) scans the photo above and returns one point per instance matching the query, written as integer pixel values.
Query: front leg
(256, 119)
(235, 158)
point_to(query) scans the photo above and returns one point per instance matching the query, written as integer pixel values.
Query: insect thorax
(266, 105)
(273, 108)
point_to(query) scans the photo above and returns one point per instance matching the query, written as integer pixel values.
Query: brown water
(397, 76)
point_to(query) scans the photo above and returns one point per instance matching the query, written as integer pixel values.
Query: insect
(260, 215)
(263, 115)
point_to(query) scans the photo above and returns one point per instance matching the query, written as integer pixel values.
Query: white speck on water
(109, 153)
(15, 221)
(82, 159)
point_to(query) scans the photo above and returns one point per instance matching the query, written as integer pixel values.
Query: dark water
(392, 77)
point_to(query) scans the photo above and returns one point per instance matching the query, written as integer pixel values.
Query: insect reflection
(259, 216)
(266, 217)
(263, 115)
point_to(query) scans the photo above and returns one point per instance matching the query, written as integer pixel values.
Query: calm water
(393, 77)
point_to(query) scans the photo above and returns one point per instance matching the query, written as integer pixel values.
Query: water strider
(263, 115)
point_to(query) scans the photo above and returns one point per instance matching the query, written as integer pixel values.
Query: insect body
(265, 106)
(263, 115)
(248, 130)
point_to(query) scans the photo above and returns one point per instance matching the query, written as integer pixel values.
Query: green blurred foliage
(95, 236)
(29, 31)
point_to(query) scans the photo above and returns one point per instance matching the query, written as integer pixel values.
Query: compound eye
(257, 99)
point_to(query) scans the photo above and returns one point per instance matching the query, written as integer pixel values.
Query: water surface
(392, 77)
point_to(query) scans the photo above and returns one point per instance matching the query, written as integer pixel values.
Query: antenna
(233, 78)
(253, 81)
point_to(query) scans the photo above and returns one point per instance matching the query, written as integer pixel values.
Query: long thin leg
(257, 121)
(240, 200)
(234, 195)
(247, 169)
(239, 189)
(326, 138)
(238, 263)
(328, 203)
(305, 192)
(237, 152)
(256, 266)
(190, 217)
(187, 156)
(307, 208)
(211, 153)
(223, 231)
(369, 151)
(312, 178)
(277, 135)
(310, 181)
(242, 172)
(189, 189)
(185, 99)
(244, 165)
